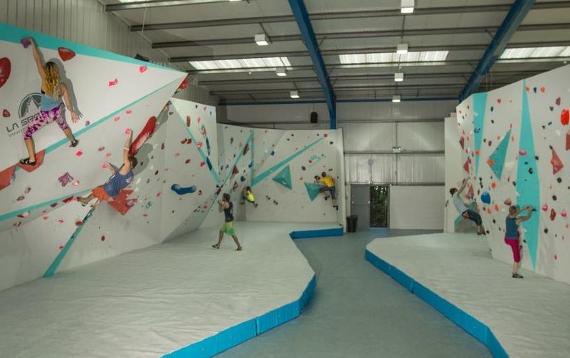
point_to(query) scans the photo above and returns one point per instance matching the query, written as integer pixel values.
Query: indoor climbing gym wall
(42, 226)
(516, 151)
(285, 164)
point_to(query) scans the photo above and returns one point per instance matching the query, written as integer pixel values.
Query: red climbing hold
(466, 166)
(462, 142)
(565, 117)
(65, 53)
(5, 113)
(5, 69)
(552, 214)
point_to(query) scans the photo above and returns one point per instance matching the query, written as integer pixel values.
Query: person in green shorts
(228, 228)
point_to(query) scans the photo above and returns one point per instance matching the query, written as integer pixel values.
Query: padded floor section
(529, 317)
(158, 300)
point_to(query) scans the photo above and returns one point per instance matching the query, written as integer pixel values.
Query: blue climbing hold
(486, 197)
(180, 190)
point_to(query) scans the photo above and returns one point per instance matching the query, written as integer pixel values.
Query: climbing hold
(5, 70)
(486, 197)
(65, 54)
(557, 164)
(565, 117)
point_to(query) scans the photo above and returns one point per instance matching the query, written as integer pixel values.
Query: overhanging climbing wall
(516, 149)
(39, 219)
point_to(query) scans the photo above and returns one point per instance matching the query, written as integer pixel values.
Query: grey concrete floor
(358, 311)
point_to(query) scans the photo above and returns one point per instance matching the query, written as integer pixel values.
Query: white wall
(416, 207)
(453, 169)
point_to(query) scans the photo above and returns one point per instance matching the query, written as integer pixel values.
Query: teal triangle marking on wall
(497, 158)
(284, 178)
(313, 190)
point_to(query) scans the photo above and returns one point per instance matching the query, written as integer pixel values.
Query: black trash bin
(351, 223)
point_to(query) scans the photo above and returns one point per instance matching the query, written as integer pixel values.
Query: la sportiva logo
(28, 108)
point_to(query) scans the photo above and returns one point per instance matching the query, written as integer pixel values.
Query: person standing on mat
(464, 210)
(512, 234)
(53, 91)
(120, 178)
(226, 206)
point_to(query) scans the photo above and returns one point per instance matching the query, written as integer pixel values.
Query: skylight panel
(244, 63)
(389, 57)
(536, 52)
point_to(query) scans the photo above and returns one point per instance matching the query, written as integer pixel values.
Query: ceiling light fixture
(402, 49)
(281, 72)
(244, 64)
(399, 77)
(294, 94)
(396, 99)
(421, 56)
(407, 6)
(261, 39)
(536, 52)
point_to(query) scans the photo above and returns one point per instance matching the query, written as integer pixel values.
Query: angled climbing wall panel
(516, 151)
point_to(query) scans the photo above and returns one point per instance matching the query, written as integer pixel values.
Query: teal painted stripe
(52, 269)
(14, 34)
(229, 175)
(203, 156)
(259, 178)
(30, 208)
(479, 104)
(252, 148)
(528, 185)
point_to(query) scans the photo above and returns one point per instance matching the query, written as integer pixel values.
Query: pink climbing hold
(522, 152)
(113, 82)
(557, 164)
(545, 207)
(143, 68)
(563, 213)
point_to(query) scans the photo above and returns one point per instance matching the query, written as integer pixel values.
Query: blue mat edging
(307, 234)
(244, 331)
(463, 319)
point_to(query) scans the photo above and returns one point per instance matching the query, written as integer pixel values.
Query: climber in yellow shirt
(328, 184)
(248, 196)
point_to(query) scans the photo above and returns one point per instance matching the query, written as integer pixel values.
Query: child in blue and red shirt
(512, 234)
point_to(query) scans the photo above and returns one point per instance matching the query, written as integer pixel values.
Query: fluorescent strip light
(536, 52)
(294, 94)
(407, 7)
(269, 63)
(261, 39)
(402, 49)
(281, 72)
(399, 76)
(396, 99)
(422, 56)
